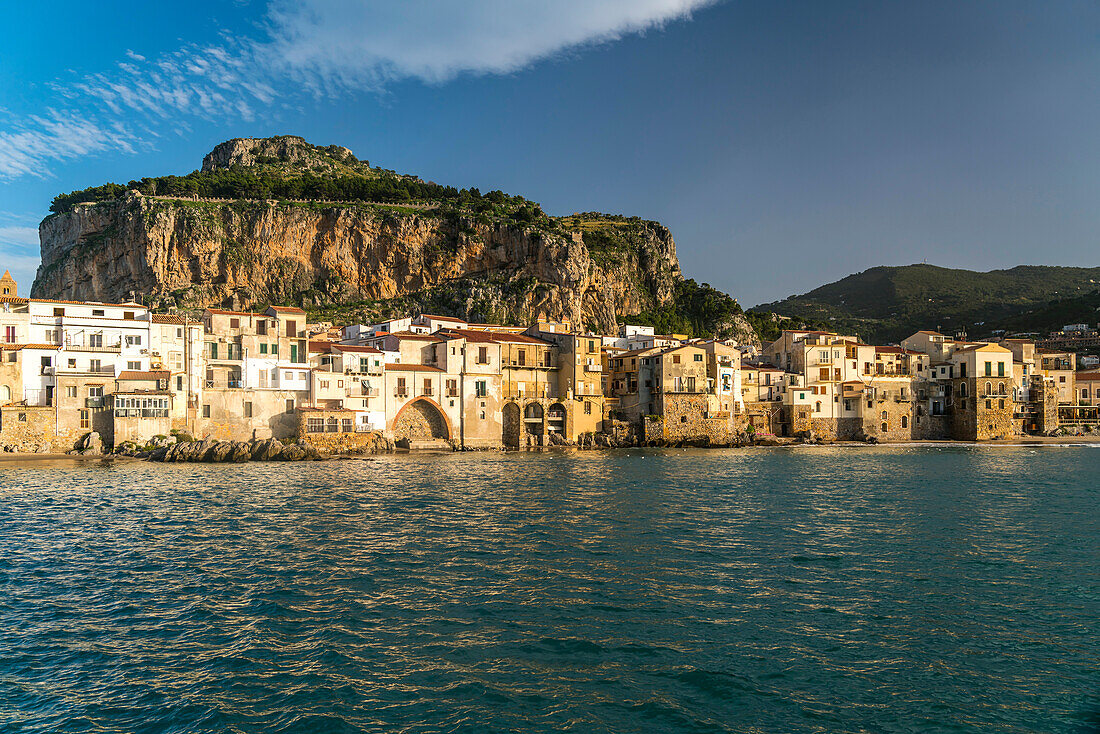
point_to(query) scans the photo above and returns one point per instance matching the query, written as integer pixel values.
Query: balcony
(593, 368)
(369, 392)
(94, 402)
(224, 385)
(401, 393)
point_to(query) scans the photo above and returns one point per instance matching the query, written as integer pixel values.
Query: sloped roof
(168, 318)
(144, 375)
(399, 367)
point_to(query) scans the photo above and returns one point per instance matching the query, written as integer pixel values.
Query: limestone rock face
(283, 148)
(246, 254)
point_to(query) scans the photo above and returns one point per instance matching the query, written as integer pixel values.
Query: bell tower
(8, 286)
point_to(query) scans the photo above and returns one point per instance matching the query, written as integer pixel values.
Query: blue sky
(786, 144)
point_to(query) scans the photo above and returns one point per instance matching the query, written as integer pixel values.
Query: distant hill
(886, 304)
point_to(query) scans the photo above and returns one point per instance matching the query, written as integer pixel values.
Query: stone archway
(421, 419)
(511, 425)
(532, 419)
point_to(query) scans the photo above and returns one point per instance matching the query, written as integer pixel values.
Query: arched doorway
(555, 419)
(420, 419)
(511, 425)
(532, 421)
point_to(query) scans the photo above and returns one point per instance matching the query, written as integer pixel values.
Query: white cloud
(325, 46)
(19, 251)
(19, 236)
(370, 42)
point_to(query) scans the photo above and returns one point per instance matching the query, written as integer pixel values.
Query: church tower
(8, 286)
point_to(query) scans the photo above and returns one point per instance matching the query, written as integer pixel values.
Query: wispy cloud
(19, 251)
(324, 47)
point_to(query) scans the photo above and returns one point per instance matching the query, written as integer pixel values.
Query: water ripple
(825, 589)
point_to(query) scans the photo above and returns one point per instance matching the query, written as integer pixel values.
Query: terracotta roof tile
(144, 375)
(398, 367)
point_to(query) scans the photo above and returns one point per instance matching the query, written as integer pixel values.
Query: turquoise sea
(817, 589)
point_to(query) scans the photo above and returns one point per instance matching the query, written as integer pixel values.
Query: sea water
(879, 589)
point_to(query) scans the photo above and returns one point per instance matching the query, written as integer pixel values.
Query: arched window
(884, 415)
(1001, 388)
(962, 389)
(817, 407)
(905, 421)
(885, 428)
(5, 394)
(988, 388)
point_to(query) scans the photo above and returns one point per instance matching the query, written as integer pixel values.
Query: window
(521, 357)
(247, 409)
(1061, 378)
(885, 427)
(263, 349)
(288, 375)
(261, 327)
(58, 312)
(364, 364)
(481, 388)
(1001, 403)
(292, 328)
(9, 334)
(698, 358)
(303, 376)
(427, 386)
(213, 350)
(206, 411)
(587, 408)
(401, 391)
(95, 391)
(1000, 369)
(884, 415)
(127, 315)
(988, 369)
(290, 405)
(179, 383)
(346, 425)
(591, 346)
(817, 407)
(483, 355)
(95, 340)
(452, 388)
(275, 348)
(234, 323)
(315, 425)
(676, 359)
(85, 418)
(133, 366)
(70, 391)
(324, 384)
(179, 333)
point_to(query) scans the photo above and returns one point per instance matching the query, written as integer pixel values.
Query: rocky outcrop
(283, 148)
(249, 254)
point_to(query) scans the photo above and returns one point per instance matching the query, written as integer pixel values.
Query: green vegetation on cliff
(887, 304)
(696, 310)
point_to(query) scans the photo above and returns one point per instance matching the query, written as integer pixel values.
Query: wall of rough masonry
(974, 420)
(32, 430)
(339, 442)
(686, 418)
(764, 417)
(889, 420)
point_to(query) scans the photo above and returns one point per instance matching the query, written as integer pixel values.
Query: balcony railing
(369, 392)
(227, 384)
(94, 402)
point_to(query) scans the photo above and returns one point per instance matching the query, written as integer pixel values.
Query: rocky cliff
(352, 260)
